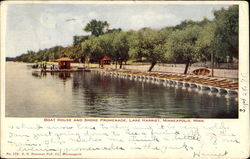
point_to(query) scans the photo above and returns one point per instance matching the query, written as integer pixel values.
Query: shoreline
(231, 74)
(214, 84)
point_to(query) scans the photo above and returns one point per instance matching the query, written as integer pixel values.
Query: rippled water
(90, 94)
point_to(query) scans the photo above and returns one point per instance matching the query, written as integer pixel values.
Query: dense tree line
(188, 42)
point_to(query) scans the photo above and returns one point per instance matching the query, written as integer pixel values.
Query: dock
(62, 70)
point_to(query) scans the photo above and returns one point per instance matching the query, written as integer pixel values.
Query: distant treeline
(10, 58)
(189, 42)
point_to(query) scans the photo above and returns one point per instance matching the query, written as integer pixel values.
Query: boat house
(64, 63)
(105, 61)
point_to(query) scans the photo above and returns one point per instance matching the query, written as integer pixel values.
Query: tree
(79, 39)
(181, 46)
(226, 39)
(73, 51)
(114, 30)
(113, 44)
(92, 48)
(145, 43)
(135, 45)
(96, 27)
(184, 24)
(120, 47)
(204, 42)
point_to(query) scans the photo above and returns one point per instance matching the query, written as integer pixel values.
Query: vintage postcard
(124, 79)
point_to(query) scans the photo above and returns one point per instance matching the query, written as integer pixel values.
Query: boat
(201, 71)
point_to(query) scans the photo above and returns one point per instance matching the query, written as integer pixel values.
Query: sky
(39, 26)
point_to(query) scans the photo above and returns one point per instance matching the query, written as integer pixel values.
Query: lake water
(88, 94)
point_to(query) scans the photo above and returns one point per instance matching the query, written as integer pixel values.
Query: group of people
(44, 66)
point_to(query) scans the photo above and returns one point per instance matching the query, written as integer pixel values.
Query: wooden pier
(62, 70)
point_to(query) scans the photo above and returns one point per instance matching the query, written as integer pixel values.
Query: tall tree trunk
(152, 66)
(212, 64)
(186, 68)
(121, 64)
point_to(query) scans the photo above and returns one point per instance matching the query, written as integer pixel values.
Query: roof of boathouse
(63, 59)
(105, 58)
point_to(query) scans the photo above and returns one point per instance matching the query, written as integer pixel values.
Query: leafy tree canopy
(96, 27)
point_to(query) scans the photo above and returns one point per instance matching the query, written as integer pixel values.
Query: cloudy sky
(39, 26)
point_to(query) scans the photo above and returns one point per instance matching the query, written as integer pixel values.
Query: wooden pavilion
(64, 63)
(105, 61)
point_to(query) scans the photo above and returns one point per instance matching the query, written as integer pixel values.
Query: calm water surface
(89, 94)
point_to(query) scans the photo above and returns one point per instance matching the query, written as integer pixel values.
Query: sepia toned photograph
(112, 60)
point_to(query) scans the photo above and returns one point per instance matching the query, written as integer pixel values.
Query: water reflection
(61, 75)
(118, 97)
(100, 93)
